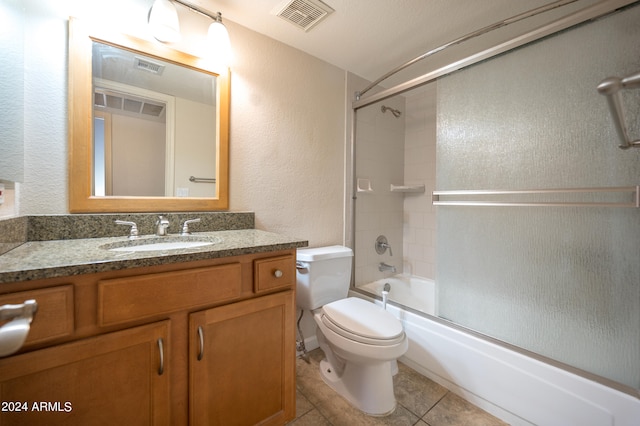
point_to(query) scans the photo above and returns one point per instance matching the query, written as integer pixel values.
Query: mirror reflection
(154, 132)
(149, 126)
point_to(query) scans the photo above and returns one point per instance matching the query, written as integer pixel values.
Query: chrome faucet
(133, 234)
(382, 267)
(185, 226)
(161, 226)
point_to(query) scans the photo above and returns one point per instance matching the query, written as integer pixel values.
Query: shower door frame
(598, 10)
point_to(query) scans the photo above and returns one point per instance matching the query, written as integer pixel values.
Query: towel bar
(635, 190)
(202, 180)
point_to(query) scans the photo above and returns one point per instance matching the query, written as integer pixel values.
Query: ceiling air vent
(303, 14)
(152, 67)
(126, 104)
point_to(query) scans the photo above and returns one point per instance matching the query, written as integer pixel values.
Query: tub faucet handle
(382, 245)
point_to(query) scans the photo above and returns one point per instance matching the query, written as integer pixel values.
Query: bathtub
(413, 292)
(510, 384)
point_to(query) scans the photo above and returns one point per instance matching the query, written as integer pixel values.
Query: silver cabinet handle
(161, 351)
(201, 339)
(277, 273)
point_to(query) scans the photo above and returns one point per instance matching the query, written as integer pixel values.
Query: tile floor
(421, 402)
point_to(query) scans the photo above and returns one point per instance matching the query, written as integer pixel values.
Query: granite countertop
(56, 258)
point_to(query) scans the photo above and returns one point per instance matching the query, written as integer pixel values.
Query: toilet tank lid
(323, 253)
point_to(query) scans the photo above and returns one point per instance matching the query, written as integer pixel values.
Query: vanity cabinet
(241, 362)
(54, 318)
(197, 343)
(115, 379)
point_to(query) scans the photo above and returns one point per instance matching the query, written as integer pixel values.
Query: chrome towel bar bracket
(611, 87)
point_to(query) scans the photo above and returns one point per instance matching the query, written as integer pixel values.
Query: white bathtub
(516, 388)
(413, 292)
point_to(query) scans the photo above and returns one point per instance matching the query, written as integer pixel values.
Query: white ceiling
(371, 37)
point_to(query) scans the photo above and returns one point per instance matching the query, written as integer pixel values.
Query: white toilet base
(368, 387)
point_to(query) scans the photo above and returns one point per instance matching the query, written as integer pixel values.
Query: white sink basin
(161, 244)
(175, 245)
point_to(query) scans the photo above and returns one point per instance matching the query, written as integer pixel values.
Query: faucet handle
(382, 245)
(185, 226)
(133, 234)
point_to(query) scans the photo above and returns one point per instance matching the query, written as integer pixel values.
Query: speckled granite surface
(13, 233)
(35, 247)
(62, 227)
(57, 258)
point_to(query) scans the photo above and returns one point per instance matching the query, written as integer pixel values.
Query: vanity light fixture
(165, 27)
(163, 21)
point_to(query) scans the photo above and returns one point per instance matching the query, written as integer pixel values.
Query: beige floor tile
(453, 410)
(416, 395)
(311, 418)
(416, 392)
(335, 408)
(303, 406)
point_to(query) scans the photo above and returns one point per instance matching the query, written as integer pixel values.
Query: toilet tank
(323, 275)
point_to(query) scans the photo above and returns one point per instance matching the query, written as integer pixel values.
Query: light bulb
(219, 41)
(163, 21)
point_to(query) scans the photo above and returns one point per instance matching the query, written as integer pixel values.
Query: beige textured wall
(287, 138)
(287, 121)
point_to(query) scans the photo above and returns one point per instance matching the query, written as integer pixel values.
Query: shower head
(396, 113)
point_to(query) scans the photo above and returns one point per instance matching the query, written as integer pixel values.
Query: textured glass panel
(560, 281)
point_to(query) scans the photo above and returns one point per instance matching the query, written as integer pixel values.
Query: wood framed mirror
(148, 126)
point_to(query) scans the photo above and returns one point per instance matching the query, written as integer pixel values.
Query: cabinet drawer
(274, 273)
(55, 315)
(143, 296)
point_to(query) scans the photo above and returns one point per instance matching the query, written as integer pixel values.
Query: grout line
(435, 405)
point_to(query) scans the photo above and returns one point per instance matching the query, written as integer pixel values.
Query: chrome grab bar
(437, 201)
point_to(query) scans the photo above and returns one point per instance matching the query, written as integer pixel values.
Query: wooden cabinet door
(113, 379)
(242, 362)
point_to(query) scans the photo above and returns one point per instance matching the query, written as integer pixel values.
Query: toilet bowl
(360, 340)
(360, 358)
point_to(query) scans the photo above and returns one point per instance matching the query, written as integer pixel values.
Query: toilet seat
(363, 322)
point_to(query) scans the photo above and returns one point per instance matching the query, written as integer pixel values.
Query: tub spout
(385, 295)
(382, 267)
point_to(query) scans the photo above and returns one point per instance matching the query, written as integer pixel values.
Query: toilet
(360, 340)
